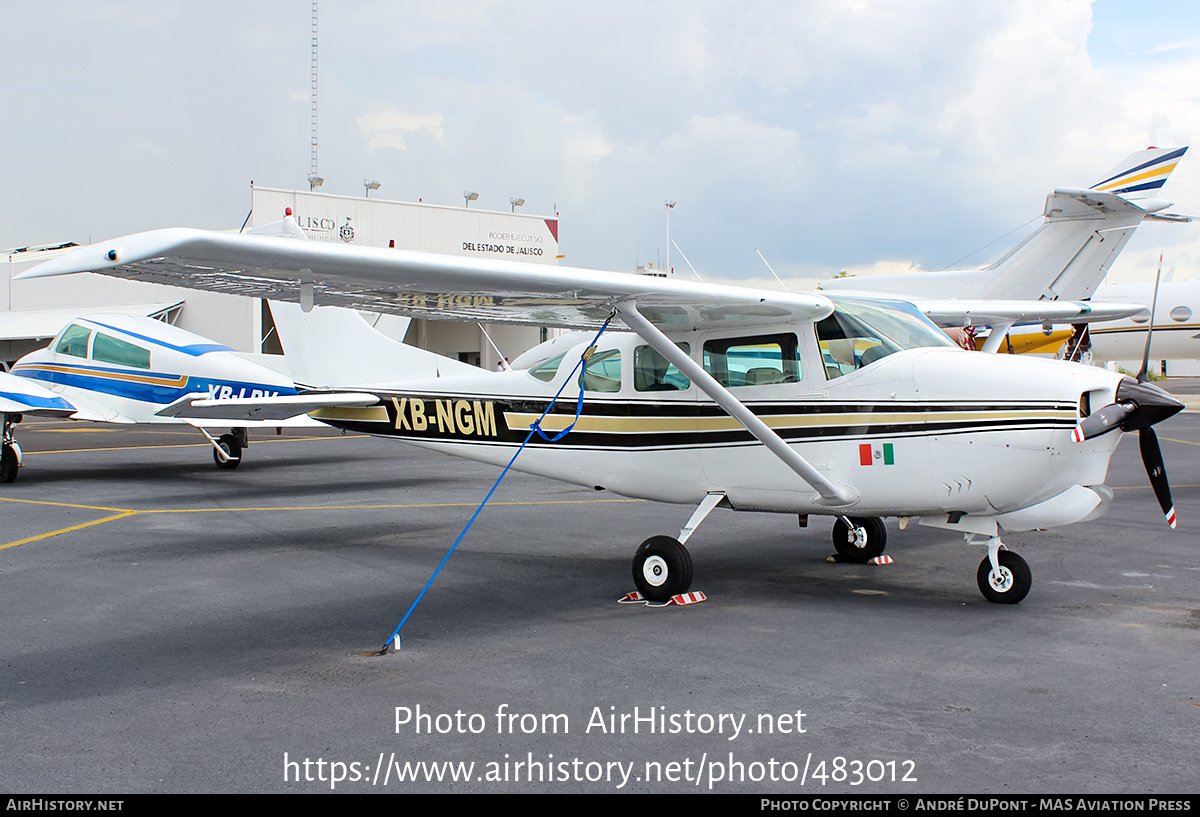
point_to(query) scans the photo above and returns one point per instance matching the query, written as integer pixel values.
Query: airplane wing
(423, 284)
(198, 408)
(460, 288)
(20, 395)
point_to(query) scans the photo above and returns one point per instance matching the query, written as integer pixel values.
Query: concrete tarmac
(170, 627)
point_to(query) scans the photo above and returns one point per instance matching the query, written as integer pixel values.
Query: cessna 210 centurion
(720, 396)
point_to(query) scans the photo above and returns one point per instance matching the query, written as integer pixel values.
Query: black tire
(8, 464)
(662, 567)
(844, 539)
(1013, 583)
(232, 449)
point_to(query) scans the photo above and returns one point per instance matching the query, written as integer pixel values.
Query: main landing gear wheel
(862, 542)
(1011, 584)
(233, 450)
(8, 464)
(662, 567)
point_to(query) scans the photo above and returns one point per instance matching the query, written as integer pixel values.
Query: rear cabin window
(108, 349)
(74, 341)
(653, 372)
(754, 361)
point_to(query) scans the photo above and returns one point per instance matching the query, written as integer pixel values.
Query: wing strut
(832, 495)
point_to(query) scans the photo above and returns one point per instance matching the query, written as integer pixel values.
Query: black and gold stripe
(647, 425)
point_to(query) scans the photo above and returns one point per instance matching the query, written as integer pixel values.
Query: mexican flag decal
(876, 454)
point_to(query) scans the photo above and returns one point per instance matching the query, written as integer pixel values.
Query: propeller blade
(1143, 373)
(1157, 471)
(1102, 421)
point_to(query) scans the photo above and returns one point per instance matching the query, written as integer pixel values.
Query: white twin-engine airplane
(717, 396)
(130, 369)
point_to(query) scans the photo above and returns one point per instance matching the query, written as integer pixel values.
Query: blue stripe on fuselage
(110, 382)
(192, 350)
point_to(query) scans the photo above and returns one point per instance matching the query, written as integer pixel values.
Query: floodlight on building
(670, 206)
(470, 196)
(368, 186)
(516, 201)
(314, 181)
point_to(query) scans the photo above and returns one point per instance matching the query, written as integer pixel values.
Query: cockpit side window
(859, 332)
(74, 341)
(546, 370)
(108, 349)
(653, 372)
(753, 361)
(603, 372)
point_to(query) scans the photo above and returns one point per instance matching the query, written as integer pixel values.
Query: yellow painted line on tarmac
(67, 530)
(1173, 440)
(76, 430)
(191, 445)
(1140, 487)
(124, 512)
(386, 507)
(64, 504)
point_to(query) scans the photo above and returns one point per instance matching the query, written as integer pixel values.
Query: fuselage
(1176, 322)
(123, 368)
(918, 431)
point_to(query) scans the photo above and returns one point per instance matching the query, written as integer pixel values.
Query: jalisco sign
(411, 226)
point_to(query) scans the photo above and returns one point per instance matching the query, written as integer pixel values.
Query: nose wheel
(1006, 583)
(232, 451)
(662, 567)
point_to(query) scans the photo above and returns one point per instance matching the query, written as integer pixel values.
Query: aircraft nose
(1153, 405)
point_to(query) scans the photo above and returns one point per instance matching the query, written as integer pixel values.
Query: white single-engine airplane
(720, 396)
(130, 369)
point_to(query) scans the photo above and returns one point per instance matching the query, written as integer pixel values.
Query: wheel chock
(695, 597)
(878, 560)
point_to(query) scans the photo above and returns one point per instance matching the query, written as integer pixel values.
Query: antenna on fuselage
(689, 263)
(777, 278)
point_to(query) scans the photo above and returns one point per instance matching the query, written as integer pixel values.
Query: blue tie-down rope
(534, 428)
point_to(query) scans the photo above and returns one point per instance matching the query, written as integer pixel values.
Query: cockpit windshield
(861, 331)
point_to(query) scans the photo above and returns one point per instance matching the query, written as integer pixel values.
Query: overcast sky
(828, 134)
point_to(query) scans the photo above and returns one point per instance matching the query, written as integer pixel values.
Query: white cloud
(386, 128)
(830, 135)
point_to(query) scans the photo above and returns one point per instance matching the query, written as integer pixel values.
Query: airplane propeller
(1139, 407)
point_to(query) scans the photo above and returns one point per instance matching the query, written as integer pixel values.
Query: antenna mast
(314, 180)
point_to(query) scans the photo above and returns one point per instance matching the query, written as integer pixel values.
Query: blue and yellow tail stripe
(1149, 175)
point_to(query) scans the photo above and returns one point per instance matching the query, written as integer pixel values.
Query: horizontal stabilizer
(985, 312)
(200, 407)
